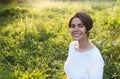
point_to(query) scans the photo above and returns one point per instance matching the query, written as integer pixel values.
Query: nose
(76, 28)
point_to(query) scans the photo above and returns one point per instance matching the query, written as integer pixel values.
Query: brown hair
(85, 18)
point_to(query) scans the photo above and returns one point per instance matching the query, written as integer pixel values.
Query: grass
(34, 43)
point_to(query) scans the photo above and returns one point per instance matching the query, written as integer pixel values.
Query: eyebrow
(80, 24)
(77, 24)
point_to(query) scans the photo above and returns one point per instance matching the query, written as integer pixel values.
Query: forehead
(76, 21)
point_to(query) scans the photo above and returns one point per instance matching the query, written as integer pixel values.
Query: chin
(76, 38)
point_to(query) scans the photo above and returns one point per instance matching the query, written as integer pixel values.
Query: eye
(81, 25)
(72, 26)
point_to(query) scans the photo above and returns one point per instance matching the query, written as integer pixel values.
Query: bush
(12, 1)
(16, 11)
(8, 1)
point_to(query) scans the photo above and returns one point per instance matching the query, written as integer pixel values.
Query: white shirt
(84, 65)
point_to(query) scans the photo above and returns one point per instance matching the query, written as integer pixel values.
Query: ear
(88, 32)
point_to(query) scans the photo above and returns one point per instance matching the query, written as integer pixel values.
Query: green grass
(34, 37)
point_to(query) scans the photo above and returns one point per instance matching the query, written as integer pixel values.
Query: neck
(83, 45)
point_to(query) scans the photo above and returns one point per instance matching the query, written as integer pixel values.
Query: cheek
(83, 30)
(71, 30)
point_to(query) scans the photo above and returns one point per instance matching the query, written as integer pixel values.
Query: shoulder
(72, 44)
(96, 52)
(97, 56)
(71, 47)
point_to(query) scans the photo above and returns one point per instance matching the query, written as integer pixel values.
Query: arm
(96, 69)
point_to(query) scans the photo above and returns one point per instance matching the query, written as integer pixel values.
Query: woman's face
(78, 30)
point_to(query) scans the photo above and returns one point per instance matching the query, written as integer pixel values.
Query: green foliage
(8, 1)
(16, 11)
(12, 1)
(34, 42)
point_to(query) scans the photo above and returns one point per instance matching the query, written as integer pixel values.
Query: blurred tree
(12, 1)
(8, 1)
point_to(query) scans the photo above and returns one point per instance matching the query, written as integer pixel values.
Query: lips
(76, 34)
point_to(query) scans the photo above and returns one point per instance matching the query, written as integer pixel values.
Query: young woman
(84, 59)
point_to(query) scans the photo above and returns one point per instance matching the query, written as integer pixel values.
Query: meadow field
(34, 37)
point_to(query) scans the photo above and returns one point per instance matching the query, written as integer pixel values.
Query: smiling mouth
(76, 35)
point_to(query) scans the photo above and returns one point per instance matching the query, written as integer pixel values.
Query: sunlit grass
(36, 42)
